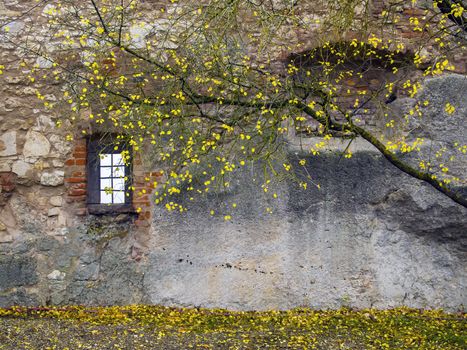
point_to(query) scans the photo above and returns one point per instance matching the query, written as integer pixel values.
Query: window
(108, 177)
(112, 178)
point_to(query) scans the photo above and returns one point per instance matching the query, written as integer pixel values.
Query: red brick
(70, 162)
(75, 179)
(140, 201)
(77, 192)
(141, 204)
(80, 142)
(414, 12)
(79, 155)
(76, 199)
(80, 162)
(80, 149)
(78, 185)
(141, 223)
(411, 34)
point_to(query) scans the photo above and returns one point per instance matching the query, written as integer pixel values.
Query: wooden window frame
(105, 144)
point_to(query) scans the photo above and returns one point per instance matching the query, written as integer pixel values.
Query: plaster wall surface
(370, 237)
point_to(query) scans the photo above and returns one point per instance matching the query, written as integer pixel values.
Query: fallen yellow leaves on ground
(156, 327)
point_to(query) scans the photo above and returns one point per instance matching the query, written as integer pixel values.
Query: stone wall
(370, 237)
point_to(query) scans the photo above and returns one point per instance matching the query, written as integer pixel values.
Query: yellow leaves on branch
(457, 10)
(405, 147)
(449, 108)
(416, 24)
(163, 114)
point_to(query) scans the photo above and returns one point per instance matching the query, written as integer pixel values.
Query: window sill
(102, 209)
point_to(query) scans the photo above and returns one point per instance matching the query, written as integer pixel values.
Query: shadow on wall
(368, 184)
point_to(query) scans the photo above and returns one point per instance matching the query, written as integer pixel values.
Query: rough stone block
(56, 201)
(53, 178)
(8, 144)
(19, 297)
(17, 271)
(37, 145)
(23, 169)
(87, 272)
(56, 275)
(5, 165)
(53, 211)
(5, 237)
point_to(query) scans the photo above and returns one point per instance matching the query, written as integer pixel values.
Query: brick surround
(76, 190)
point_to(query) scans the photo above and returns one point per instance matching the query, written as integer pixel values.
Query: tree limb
(390, 156)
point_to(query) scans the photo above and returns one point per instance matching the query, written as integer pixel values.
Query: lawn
(155, 327)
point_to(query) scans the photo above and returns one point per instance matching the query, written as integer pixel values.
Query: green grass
(154, 327)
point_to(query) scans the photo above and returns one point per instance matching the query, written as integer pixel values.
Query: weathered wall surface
(89, 262)
(370, 237)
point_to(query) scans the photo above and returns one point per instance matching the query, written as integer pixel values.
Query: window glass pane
(119, 197)
(106, 172)
(117, 159)
(106, 159)
(106, 184)
(119, 184)
(106, 198)
(118, 171)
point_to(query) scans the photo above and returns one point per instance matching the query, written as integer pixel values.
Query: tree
(205, 87)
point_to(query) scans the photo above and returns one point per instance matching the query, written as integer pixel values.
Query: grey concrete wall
(370, 237)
